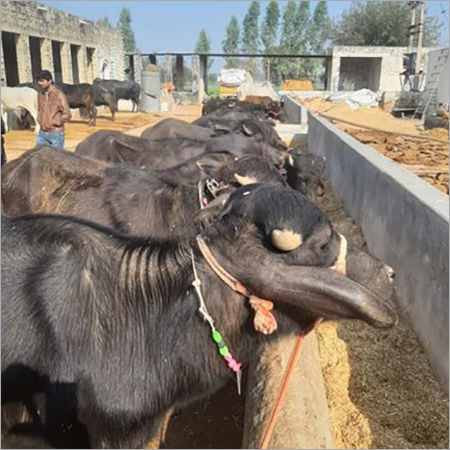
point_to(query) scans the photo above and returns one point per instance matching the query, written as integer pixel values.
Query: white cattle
(17, 98)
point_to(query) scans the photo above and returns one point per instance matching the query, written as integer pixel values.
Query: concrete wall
(405, 222)
(28, 18)
(391, 65)
(293, 112)
(360, 73)
(435, 57)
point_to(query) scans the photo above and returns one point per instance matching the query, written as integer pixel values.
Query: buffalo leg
(92, 115)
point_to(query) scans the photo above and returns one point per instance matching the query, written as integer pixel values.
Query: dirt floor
(428, 159)
(216, 422)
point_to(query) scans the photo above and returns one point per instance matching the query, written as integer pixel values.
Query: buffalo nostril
(390, 273)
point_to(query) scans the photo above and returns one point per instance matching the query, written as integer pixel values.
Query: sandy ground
(372, 117)
(426, 158)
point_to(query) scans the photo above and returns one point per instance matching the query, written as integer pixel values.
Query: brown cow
(271, 107)
(259, 99)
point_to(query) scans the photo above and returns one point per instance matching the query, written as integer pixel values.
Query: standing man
(53, 112)
(3, 144)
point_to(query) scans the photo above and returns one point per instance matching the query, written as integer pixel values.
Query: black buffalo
(127, 90)
(115, 146)
(305, 173)
(177, 128)
(103, 97)
(226, 114)
(101, 333)
(242, 124)
(128, 199)
(81, 96)
(270, 108)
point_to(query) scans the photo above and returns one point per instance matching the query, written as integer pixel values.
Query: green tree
(301, 25)
(129, 43)
(124, 23)
(287, 46)
(319, 40)
(270, 26)
(203, 45)
(288, 33)
(269, 35)
(381, 23)
(320, 30)
(250, 35)
(231, 43)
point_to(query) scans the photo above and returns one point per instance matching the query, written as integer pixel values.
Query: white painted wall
(444, 79)
(391, 64)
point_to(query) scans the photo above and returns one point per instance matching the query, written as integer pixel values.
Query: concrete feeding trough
(303, 421)
(405, 222)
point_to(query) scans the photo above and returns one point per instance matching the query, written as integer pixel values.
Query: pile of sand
(372, 117)
(427, 159)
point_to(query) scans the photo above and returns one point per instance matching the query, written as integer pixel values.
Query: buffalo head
(283, 248)
(305, 174)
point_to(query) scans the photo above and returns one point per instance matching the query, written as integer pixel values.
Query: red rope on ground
(296, 351)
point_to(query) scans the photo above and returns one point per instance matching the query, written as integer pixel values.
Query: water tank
(151, 84)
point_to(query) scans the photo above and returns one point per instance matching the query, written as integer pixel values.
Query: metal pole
(420, 36)
(411, 29)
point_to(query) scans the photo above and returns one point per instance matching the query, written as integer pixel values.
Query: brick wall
(29, 18)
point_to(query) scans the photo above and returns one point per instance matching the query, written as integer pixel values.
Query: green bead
(223, 351)
(216, 336)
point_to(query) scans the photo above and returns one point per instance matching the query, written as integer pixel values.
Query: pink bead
(234, 365)
(228, 357)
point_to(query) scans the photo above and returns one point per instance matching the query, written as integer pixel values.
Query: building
(374, 68)
(76, 50)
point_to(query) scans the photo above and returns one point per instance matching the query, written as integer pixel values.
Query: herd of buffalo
(101, 331)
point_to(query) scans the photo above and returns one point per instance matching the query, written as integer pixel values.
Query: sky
(175, 25)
